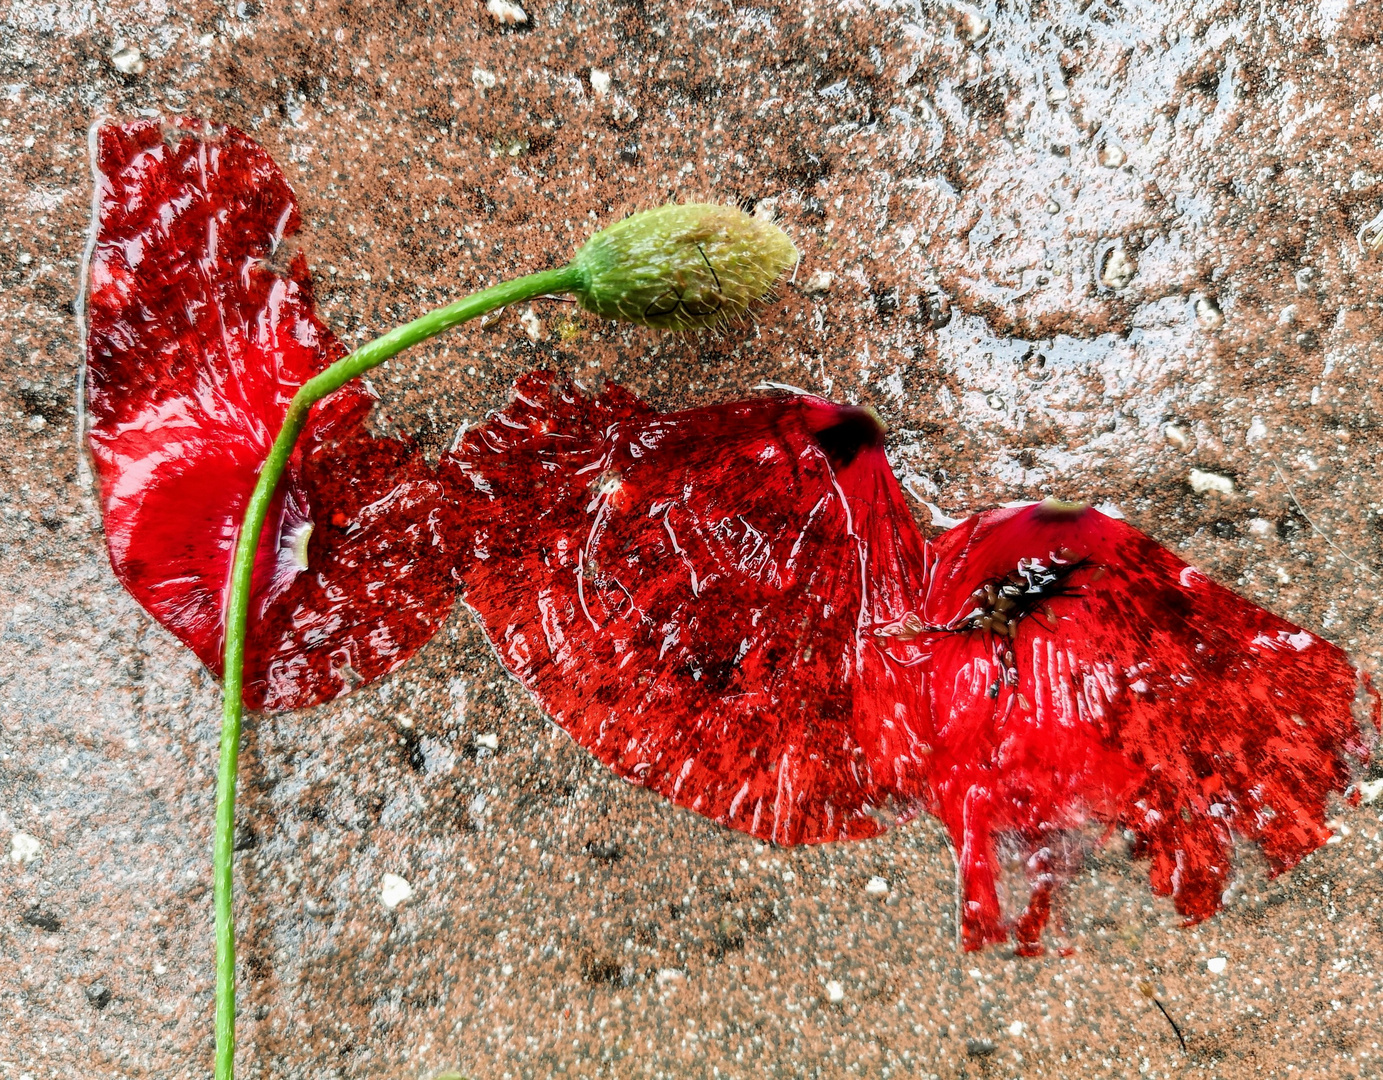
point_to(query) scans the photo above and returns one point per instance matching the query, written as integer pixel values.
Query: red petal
(693, 598)
(733, 607)
(196, 344)
(1141, 695)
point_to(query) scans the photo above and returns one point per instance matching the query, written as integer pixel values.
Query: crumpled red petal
(733, 607)
(200, 329)
(692, 598)
(1131, 692)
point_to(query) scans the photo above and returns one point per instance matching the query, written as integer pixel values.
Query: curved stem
(242, 573)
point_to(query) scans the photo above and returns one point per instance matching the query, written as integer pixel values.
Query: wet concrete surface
(1071, 248)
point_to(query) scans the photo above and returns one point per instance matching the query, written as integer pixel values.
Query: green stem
(242, 571)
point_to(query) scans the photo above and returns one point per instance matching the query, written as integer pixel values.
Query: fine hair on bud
(682, 266)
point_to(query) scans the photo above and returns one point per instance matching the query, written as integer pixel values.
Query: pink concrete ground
(1141, 221)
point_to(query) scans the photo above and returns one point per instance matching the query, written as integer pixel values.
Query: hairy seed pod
(681, 267)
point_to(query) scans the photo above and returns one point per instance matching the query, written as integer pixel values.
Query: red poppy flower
(733, 607)
(201, 328)
(1086, 675)
(689, 596)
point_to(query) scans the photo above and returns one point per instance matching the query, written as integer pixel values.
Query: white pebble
(789, 877)
(1208, 314)
(1112, 155)
(876, 886)
(1216, 964)
(1177, 436)
(506, 13)
(1370, 790)
(127, 60)
(1016, 1028)
(1260, 526)
(489, 740)
(819, 283)
(1119, 269)
(394, 890)
(24, 848)
(600, 82)
(835, 993)
(482, 79)
(532, 325)
(973, 25)
(1201, 482)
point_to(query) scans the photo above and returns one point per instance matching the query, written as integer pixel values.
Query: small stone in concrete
(1208, 314)
(1201, 482)
(394, 890)
(819, 283)
(973, 25)
(24, 848)
(98, 994)
(1176, 435)
(1119, 269)
(600, 82)
(506, 13)
(876, 886)
(1112, 155)
(127, 60)
(1216, 965)
(532, 325)
(835, 993)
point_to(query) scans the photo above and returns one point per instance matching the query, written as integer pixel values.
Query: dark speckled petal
(691, 597)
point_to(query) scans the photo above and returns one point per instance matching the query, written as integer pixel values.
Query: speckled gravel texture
(1080, 248)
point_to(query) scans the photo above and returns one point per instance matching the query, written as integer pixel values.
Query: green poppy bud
(681, 267)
